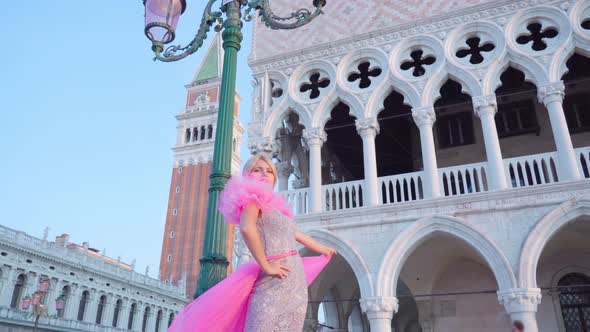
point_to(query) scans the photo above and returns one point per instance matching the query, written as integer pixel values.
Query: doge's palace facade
(443, 148)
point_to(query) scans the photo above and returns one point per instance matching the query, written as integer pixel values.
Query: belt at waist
(279, 256)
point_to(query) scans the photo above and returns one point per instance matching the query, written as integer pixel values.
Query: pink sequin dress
(248, 300)
(278, 304)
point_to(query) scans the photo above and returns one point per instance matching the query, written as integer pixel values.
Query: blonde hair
(249, 165)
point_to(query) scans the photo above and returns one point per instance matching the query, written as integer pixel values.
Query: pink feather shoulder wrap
(241, 191)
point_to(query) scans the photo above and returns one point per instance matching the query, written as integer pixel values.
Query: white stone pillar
(7, 281)
(124, 315)
(521, 304)
(91, 307)
(151, 322)
(379, 311)
(163, 321)
(107, 311)
(72, 303)
(137, 317)
(552, 96)
(314, 138)
(485, 108)
(424, 118)
(285, 169)
(368, 130)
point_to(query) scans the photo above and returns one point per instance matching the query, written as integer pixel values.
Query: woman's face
(263, 172)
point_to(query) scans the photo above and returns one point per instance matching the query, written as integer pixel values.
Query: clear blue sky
(87, 122)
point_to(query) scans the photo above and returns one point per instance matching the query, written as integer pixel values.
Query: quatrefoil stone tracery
(316, 82)
(475, 49)
(537, 34)
(417, 62)
(364, 74)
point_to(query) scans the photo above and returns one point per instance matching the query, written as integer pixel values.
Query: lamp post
(161, 17)
(37, 300)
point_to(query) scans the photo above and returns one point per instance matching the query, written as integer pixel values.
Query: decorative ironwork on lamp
(161, 19)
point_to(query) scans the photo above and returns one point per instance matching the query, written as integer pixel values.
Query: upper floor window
(577, 112)
(516, 118)
(455, 129)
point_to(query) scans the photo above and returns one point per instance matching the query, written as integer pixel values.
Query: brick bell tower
(193, 159)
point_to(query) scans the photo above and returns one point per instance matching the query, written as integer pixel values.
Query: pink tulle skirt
(223, 308)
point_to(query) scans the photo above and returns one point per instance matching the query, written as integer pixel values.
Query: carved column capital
(485, 105)
(261, 145)
(424, 116)
(367, 127)
(552, 92)
(314, 136)
(520, 299)
(379, 307)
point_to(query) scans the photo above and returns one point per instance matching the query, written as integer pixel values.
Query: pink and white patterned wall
(345, 19)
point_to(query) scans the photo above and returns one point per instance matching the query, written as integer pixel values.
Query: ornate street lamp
(39, 308)
(60, 302)
(26, 303)
(161, 17)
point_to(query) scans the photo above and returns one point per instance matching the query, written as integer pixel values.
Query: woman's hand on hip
(275, 268)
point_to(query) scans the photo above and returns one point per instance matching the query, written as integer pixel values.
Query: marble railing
(525, 171)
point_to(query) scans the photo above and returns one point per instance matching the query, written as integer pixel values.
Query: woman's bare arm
(314, 245)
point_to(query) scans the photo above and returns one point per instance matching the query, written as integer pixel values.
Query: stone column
(314, 138)
(91, 307)
(151, 321)
(379, 311)
(552, 96)
(368, 130)
(285, 169)
(163, 321)
(485, 108)
(7, 282)
(108, 311)
(72, 303)
(424, 118)
(521, 304)
(124, 315)
(137, 317)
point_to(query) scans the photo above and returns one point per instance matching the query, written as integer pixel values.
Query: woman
(269, 294)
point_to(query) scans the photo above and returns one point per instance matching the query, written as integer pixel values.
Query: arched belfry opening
(292, 157)
(397, 145)
(342, 154)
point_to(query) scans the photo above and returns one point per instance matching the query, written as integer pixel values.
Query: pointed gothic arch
(406, 242)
